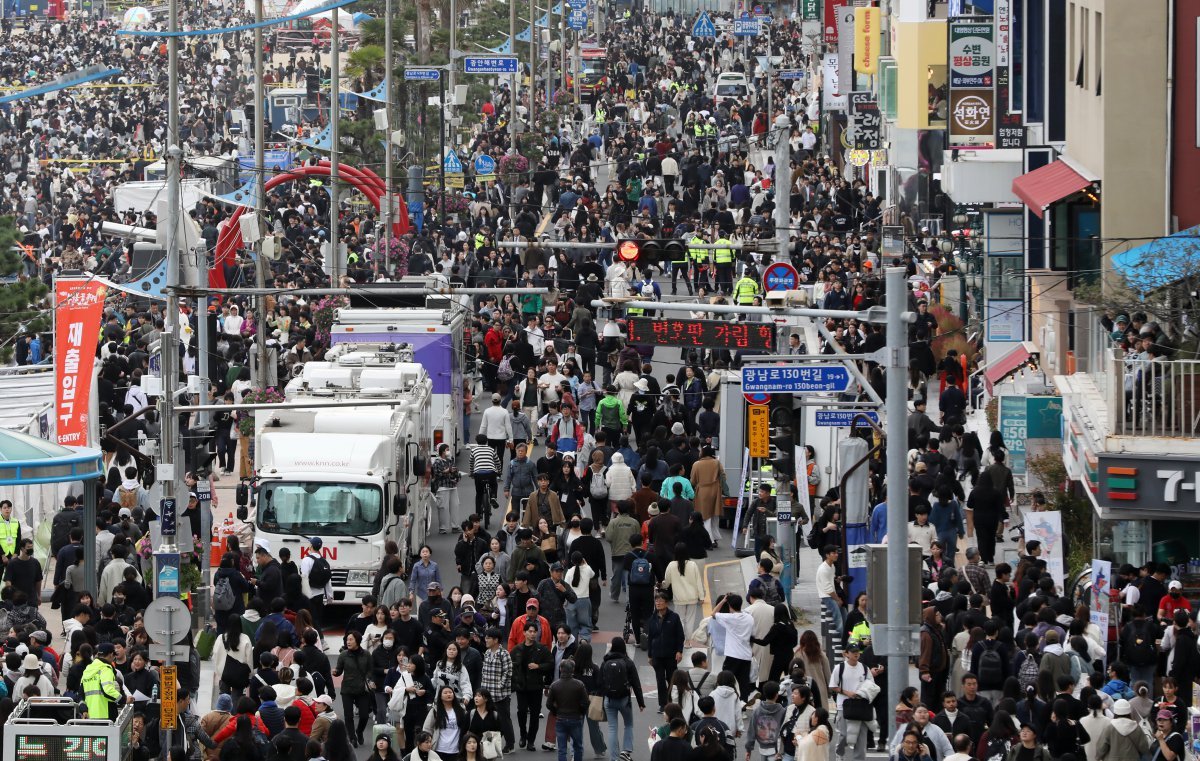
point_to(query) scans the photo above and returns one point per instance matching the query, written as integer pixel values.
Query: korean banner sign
(79, 305)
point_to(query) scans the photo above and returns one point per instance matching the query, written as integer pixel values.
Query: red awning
(1004, 366)
(1051, 183)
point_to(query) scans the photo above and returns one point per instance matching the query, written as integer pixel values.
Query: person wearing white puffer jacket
(619, 479)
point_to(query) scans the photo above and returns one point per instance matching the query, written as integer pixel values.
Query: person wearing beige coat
(706, 476)
(686, 582)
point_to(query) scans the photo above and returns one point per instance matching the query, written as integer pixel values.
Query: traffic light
(650, 252)
(783, 439)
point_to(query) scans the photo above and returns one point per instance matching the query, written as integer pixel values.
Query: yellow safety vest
(599, 115)
(723, 255)
(9, 530)
(745, 291)
(710, 130)
(100, 690)
(479, 240)
(698, 129)
(699, 255)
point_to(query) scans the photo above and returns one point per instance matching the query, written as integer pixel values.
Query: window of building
(1097, 49)
(1072, 37)
(1081, 69)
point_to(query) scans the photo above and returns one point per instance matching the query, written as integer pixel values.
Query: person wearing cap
(496, 426)
(1172, 601)
(1169, 744)
(101, 691)
(1123, 739)
(530, 616)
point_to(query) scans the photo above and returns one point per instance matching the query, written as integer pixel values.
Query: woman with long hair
(446, 722)
(243, 746)
(380, 623)
(680, 692)
(781, 639)
(33, 676)
(354, 666)
(814, 746)
(770, 551)
(482, 716)
(595, 487)
(588, 672)
(686, 582)
(1063, 734)
(579, 613)
(487, 581)
(420, 697)
(999, 738)
(472, 750)
(383, 749)
(339, 742)
(858, 615)
(909, 697)
(816, 664)
(450, 672)
(234, 645)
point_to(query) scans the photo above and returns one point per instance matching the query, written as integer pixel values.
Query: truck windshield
(320, 508)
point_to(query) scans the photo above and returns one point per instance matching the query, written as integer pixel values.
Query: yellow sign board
(168, 676)
(455, 180)
(866, 40)
(758, 418)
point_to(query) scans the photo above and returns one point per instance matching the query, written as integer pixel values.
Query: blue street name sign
(580, 4)
(791, 74)
(745, 26)
(704, 26)
(485, 165)
(843, 418)
(796, 379)
(490, 64)
(422, 75)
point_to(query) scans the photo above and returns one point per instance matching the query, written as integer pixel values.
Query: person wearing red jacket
(516, 635)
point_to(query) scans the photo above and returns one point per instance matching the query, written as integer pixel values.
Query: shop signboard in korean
(972, 122)
(1163, 484)
(866, 120)
(972, 52)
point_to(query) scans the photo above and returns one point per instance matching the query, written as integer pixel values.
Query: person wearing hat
(101, 692)
(33, 675)
(554, 594)
(1169, 744)
(531, 615)
(1172, 601)
(1123, 739)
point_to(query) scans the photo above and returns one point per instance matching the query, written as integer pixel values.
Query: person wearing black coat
(664, 631)
(270, 575)
(1184, 660)
(782, 639)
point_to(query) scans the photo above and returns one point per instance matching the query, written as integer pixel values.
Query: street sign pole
(897, 639)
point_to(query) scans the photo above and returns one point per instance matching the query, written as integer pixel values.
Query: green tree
(20, 297)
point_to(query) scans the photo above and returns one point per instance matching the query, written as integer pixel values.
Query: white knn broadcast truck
(353, 476)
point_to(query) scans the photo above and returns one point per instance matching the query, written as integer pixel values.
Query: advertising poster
(1047, 528)
(78, 306)
(1101, 600)
(866, 40)
(1014, 427)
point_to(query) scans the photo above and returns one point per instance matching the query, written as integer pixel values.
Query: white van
(731, 84)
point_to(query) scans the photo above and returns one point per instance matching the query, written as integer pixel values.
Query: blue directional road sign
(485, 165)
(490, 64)
(577, 19)
(579, 4)
(704, 26)
(796, 379)
(843, 418)
(422, 75)
(791, 74)
(452, 164)
(746, 26)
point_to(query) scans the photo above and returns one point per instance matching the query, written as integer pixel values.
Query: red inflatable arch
(229, 240)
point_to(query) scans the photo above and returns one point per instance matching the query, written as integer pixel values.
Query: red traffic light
(628, 251)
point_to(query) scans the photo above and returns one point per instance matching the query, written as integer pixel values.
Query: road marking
(708, 605)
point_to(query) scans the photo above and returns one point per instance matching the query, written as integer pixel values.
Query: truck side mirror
(418, 466)
(243, 494)
(243, 512)
(400, 505)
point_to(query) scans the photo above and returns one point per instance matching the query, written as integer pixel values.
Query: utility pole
(783, 187)
(514, 125)
(453, 44)
(388, 179)
(260, 194)
(897, 635)
(336, 264)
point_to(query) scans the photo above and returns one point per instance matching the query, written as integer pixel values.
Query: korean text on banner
(866, 43)
(79, 305)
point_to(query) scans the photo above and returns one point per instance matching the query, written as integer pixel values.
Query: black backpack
(320, 573)
(1139, 646)
(991, 667)
(614, 678)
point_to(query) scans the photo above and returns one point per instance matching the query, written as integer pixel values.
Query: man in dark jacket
(270, 575)
(532, 668)
(554, 594)
(568, 701)
(1184, 661)
(289, 744)
(467, 551)
(665, 633)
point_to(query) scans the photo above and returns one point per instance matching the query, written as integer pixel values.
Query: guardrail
(1153, 397)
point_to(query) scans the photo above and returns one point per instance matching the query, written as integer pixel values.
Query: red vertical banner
(79, 305)
(830, 21)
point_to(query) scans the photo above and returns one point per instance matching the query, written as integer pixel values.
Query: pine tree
(20, 296)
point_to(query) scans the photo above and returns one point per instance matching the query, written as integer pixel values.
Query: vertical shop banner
(845, 45)
(972, 49)
(1101, 598)
(810, 10)
(831, 90)
(829, 18)
(78, 306)
(1046, 528)
(1010, 131)
(1003, 33)
(1014, 427)
(866, 40)
(866, 120)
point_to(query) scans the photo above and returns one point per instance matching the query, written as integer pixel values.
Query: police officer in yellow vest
(679, 266)
(746, 289)
(699, 257)
(101, 692)
(723, 259)
(10, 530)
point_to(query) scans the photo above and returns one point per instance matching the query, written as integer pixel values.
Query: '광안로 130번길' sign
(796, 379)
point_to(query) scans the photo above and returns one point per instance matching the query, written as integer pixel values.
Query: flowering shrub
(323, 313)
(513, 163)
(455, 202)
(398, 251)
(256, 396)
